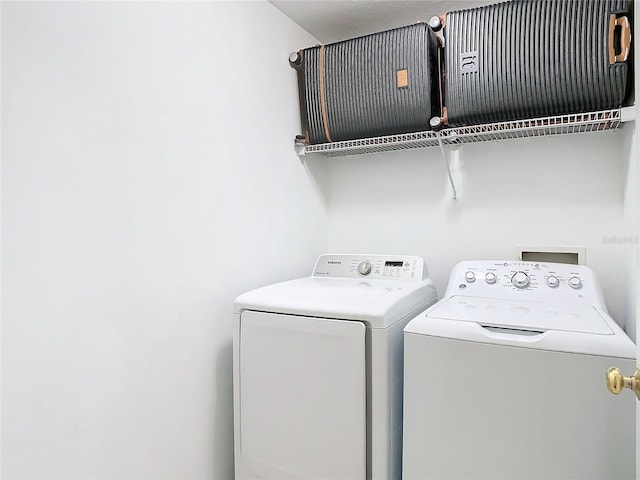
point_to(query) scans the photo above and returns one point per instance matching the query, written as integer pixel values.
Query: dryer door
(302, 397)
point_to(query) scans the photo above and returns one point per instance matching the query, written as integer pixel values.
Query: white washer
(505, 378)
(318, 369)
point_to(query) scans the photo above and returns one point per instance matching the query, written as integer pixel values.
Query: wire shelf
(536, 127)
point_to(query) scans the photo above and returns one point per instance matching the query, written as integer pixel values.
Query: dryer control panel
(535, 281)
(379, 267)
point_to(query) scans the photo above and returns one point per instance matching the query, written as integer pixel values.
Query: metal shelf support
(446, 161)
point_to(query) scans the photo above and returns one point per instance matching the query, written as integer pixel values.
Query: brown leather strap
(323, 105)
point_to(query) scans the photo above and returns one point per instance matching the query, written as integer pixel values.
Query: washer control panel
(380, 267)
(525, 280)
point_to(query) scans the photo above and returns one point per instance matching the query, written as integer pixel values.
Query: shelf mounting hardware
(446, 161)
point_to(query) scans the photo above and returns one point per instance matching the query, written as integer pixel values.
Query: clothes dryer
(318, 369)
(505, 378)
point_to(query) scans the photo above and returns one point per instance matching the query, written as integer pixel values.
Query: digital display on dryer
(389, 263)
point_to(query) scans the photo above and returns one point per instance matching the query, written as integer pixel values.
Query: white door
(634, 150)
(302, 397)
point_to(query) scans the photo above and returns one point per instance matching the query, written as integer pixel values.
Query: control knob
(470, 277)
(553, 281)
(490, 278)
(364, 268)
(575, 282)
(520, 280)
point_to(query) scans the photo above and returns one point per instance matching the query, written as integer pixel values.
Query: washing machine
(318, 369)
(505, 378)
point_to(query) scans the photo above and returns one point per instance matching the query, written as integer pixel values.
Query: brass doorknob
(616, 382)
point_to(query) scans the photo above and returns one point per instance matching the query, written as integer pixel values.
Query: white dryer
(318, 369)
(505, 378)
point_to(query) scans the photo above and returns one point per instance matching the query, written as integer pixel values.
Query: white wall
(148, 177)
(546, 191)
(630, 244)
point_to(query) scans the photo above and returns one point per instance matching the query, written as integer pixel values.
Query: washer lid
(377, 302)
(522, 315)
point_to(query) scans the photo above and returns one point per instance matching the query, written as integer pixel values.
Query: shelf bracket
(446, 161)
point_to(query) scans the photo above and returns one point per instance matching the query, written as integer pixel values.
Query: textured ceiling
(334, 20)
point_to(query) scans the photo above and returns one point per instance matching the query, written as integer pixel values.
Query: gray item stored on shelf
(535, 58)
(380, 84)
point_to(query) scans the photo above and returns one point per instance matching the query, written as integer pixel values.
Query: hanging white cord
(446, 161)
